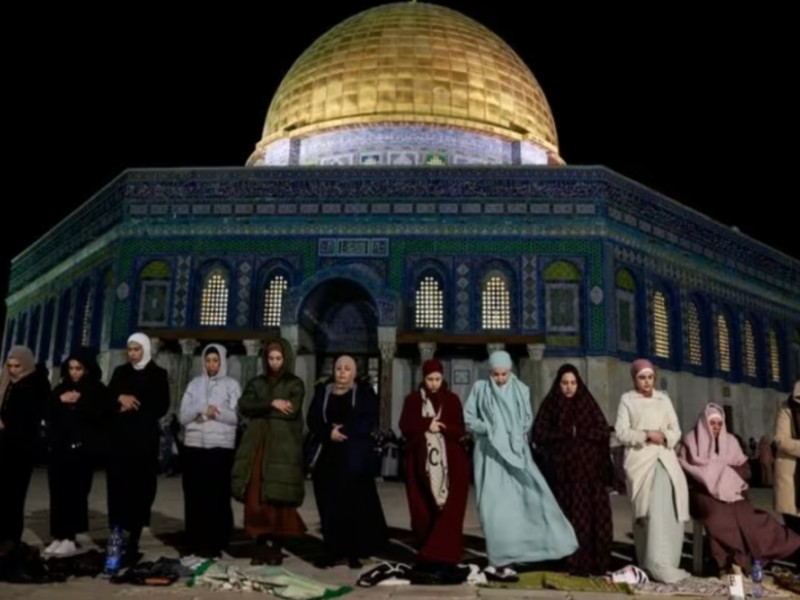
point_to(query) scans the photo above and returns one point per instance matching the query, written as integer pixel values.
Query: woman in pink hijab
(718, 472)
(648, 427)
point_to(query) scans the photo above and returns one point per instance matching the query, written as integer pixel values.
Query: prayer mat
(704, 586)
(277, 581)
(549, 580)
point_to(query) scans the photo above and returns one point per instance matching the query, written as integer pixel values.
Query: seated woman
(718, 470)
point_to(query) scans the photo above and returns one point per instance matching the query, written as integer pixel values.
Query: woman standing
(139, 392)
(519, 515)
(436, 469)
(571, 435)
(787, 469)
(208, 413)
(268, 470)
(73, 415)
(648, 427)
(23, 393)
(343, 416)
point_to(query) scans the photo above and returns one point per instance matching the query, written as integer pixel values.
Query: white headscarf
(223, 360)
(144, 341)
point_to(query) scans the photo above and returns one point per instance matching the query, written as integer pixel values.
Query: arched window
(429, 303)
(660, 333)
(155, 280)
(795, 350)
(274, 292)
(214, 299)
(723, 339)
(695, 339)
(43, 353)
(10, 323)
(62, 327)
(626, 310)
(33, 331)
(107, 308)
(86, 318)
(774, 356)
(22, 329)
(562, 288)
(749, 368)
(495, 302)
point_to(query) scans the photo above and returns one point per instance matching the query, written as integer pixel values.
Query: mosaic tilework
(73, 301)
(529, 311)
(587, 252)
(650, 322)
(531, 154)
(278, 154)
(81, 227)
(77, 271)
(243, 293)
(353, 247)
(724, 286)
(384, 297)
(664, 219)
(409, 145)
(462, 295)
(377, 267)
(182, 278)
(627, 204)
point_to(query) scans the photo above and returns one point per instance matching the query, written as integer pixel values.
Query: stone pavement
(167, 525)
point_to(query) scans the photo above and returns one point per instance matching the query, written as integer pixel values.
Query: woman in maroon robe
(717, 471)
(433, 419)
(573, 451)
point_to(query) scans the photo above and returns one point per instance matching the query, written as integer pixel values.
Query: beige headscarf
(25, 357)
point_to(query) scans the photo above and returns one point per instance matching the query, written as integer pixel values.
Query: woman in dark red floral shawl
(437, 489)
(572, 442)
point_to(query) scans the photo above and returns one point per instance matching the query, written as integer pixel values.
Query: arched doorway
(340, 317)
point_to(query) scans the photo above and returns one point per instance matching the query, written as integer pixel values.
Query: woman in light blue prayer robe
(520, 517)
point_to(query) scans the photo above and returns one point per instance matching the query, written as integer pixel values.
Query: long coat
(440, 532)
(637, 414)
(282, 477)
(786, 464)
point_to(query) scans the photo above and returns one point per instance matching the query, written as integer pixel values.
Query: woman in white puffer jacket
(208, 412)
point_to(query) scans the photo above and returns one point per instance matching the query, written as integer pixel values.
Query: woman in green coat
(268, 470)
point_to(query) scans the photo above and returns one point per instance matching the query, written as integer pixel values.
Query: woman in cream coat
(648, 428)
(787, 474)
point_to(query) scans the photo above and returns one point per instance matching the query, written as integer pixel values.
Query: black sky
(693, 104)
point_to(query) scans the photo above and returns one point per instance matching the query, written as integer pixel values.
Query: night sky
(692, 104)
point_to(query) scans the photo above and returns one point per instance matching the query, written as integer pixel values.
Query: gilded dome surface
(411, 62)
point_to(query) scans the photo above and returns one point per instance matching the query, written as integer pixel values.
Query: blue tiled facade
(383, 228)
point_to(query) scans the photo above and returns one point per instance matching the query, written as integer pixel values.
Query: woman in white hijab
(139, 392)
(208, 412)
(520, 517)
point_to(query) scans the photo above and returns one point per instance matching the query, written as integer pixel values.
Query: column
(388, 350)
(155, 347)
(188, 347)
(426, 350)
(496, 347)
(252, 350)
(538, 384)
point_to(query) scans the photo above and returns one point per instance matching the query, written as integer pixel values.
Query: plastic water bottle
(756, 576)
(114, 552)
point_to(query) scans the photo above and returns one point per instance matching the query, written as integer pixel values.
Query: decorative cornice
(537, 195)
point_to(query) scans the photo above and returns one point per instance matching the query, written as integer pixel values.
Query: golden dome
(411, 63)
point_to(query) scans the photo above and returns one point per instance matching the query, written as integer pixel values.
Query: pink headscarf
(639, 365)
(700, 459)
